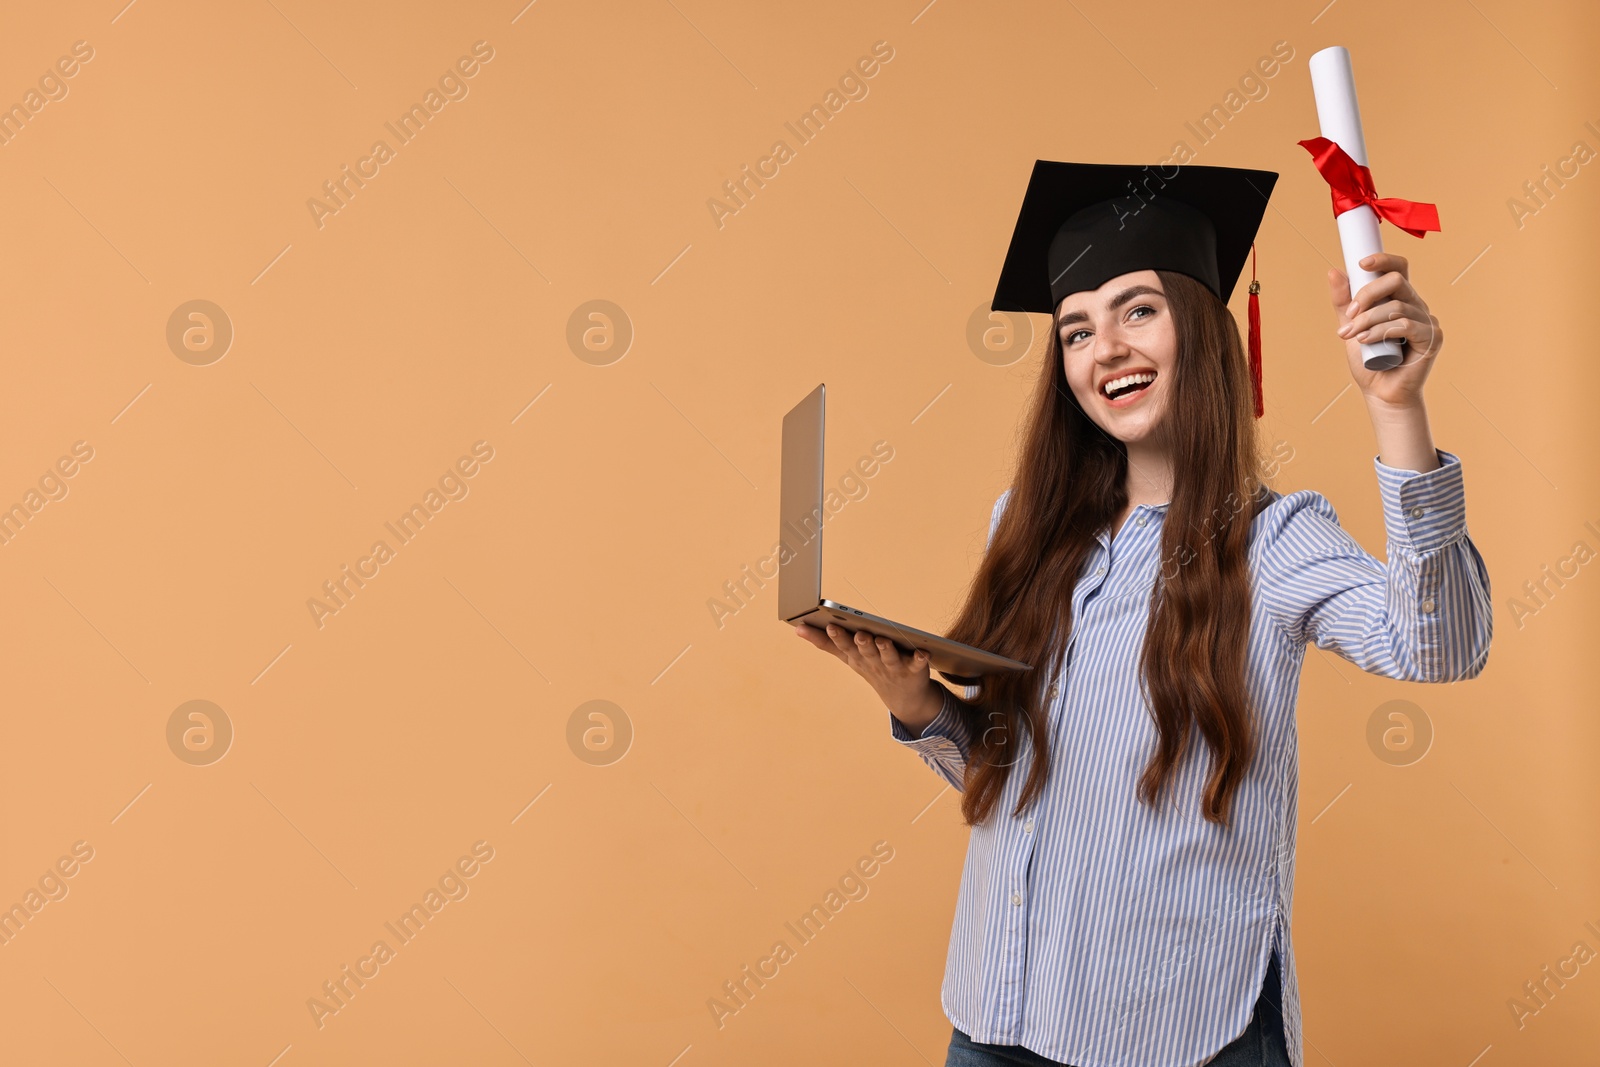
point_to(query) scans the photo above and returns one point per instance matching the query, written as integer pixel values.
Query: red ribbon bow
(1352, 186)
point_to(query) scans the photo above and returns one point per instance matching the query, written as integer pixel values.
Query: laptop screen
(800, 513)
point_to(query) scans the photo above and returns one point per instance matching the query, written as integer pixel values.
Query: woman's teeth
(1111, 387)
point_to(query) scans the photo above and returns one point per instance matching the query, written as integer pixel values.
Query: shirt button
(1416, 513)
(1016, 898)
(1054, 689)
(1101, 572)
(1427, 605)
(1027, 827)
(1139, 521)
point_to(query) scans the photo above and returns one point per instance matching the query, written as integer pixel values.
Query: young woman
(1127, 888)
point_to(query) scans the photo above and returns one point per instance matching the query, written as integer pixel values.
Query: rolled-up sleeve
(943, 744)
(1425, 616)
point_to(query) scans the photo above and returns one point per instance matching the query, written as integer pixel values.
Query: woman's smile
(1125, 389)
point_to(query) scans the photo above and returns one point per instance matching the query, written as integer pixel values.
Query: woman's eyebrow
(1116, 302)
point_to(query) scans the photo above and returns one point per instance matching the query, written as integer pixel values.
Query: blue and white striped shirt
(1097, 931)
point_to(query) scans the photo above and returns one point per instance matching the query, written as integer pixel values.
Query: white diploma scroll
(1334, 86)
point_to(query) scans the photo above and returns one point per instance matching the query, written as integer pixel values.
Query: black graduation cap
(1082, 224)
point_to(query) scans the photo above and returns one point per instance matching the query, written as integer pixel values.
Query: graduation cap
(1083, 224)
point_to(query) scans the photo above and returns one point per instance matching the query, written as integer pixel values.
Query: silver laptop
(800, 577)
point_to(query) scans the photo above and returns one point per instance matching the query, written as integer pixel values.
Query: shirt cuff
(946, 726)
(1427, 510)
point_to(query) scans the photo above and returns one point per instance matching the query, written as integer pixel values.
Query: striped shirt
(1099, 932)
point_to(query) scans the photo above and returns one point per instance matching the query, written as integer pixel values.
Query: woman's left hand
(1388, 307)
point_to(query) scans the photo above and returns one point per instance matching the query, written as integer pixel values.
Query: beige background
(369, 354)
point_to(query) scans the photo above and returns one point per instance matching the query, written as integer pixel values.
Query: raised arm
(1425, 616)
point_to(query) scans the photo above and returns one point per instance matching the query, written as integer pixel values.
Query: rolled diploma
(1333, 84)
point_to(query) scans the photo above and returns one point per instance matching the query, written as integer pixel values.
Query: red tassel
(1255, 334)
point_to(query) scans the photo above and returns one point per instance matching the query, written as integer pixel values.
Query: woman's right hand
(902, 682)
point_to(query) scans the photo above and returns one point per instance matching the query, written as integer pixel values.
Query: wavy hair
(1071, 481)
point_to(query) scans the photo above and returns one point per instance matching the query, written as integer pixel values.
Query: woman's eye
(1135, 311)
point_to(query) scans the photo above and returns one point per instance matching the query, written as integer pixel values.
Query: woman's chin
(1125, 428)
(1135, 431)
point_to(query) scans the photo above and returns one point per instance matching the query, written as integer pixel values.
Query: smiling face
(1120, 335)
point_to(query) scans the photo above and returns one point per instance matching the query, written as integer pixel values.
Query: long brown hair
(1071, 482)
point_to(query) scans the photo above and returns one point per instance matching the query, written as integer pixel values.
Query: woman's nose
(1110, 345)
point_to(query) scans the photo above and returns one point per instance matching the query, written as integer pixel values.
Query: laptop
(800, 524)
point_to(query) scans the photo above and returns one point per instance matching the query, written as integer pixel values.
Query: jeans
(1261, 1045)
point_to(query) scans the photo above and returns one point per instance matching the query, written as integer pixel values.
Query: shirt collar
(1105, 533)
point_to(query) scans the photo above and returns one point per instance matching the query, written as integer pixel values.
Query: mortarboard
(1082, 224)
